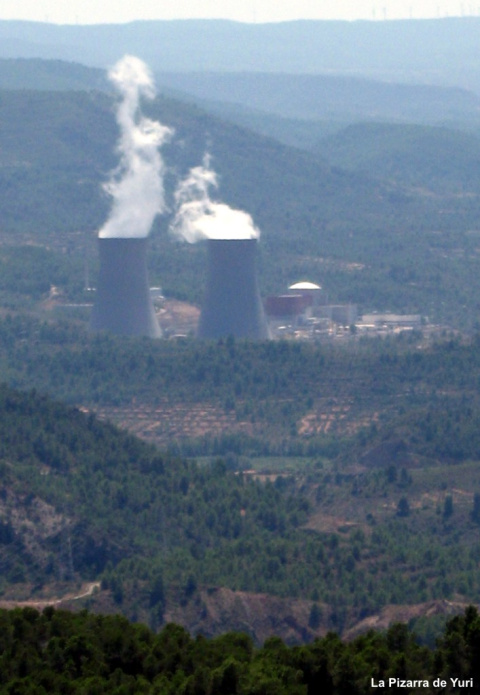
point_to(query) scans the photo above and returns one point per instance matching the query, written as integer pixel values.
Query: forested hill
(45, 75)
(409, 154)
(72, 135)
(324, 543)
(82, 500)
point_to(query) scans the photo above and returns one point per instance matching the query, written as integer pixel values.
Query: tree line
(60, 652)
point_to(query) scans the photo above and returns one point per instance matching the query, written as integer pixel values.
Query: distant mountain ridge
(296, 109)
(436, 51)
(326, 97)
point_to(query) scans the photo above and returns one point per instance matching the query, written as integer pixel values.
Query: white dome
(304, 286)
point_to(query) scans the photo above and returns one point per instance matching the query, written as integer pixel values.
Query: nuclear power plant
(232, 304)
(123, 304)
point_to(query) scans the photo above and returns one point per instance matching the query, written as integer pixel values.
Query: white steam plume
(198, 217)
(136, 185)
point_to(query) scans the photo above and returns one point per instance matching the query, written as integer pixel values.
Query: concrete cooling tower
(232, 304)
(123, 304)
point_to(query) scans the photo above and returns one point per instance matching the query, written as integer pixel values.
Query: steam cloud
(136, 185)
(198, 217)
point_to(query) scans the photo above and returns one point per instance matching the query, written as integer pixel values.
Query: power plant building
(309, 289)
(287, 310)
(344, 314)
(287, 305)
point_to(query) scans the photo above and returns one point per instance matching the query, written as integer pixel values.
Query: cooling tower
(123, 304)
(232, 304)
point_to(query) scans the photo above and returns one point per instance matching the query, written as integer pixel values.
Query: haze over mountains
(375, 70)
(441, 51)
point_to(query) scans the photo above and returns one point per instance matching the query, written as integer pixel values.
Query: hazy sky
(116, 11)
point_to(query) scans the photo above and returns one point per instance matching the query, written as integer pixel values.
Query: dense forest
(411, 154)
(365, 519)
(424, 393)
(58, 652)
